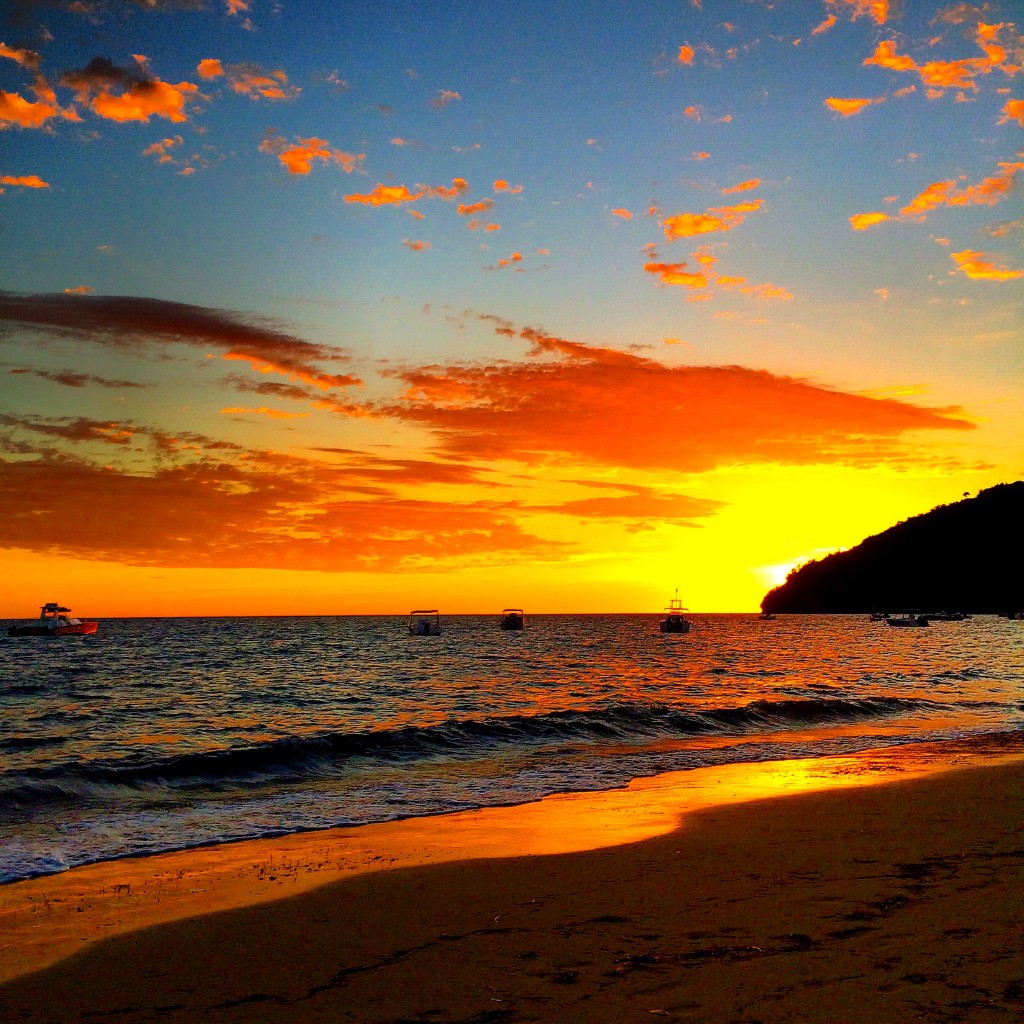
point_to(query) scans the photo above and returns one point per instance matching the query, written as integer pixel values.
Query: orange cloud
(249, 79)
(876, 10)
(141, 95)
(885, 56)
(161, 149)
(700, 156)
(987, 192)
(459, 186)
(23, 181)
(298, 156)
(976, 266)
(501, 185)
(209, 68)
(863, 221)
(828, 23)
(572, 403)
(26, 58)
(18, 111)
(212, 504)
(1013, 110)
(416, 246)
(676, 274)
(940, 75)
(720, 218)
(385, 195)
(469, 209)
(685, 54)
(516, 257)
(743, 186)
(849, 107)
(623, 213)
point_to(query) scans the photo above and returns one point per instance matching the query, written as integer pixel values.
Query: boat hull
(78, 629)
(671, 626)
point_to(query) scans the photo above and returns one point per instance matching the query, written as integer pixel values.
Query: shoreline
(93, 910)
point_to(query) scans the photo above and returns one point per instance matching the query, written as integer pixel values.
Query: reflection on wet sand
(46, 919)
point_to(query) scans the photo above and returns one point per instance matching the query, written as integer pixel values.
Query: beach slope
(886, 902)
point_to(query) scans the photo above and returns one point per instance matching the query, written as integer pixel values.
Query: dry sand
(796, 891)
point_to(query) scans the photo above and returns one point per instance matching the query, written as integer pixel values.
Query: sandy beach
(876, 888)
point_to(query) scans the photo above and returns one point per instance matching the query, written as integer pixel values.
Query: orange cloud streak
(385, 195)
(743, 186)
(976, 266)
(24, 181)
(576, 402)
(849, 107)
(863, 221)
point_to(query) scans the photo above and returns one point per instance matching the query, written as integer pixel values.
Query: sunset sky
(312, 307)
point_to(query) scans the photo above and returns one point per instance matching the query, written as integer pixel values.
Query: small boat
(766, 617)
(55, 620)
(675, 620)
(425, 622)
(879, 616)
(908, 619)
(947, 616)
(512, 618)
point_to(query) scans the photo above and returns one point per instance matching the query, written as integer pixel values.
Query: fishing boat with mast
(675, 620)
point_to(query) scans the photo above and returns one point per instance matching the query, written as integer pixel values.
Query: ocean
(162, 734)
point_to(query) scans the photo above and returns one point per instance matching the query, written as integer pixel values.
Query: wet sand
(884, 887)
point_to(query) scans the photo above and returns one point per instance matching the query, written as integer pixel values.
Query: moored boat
(675, 620)
(425, 622)
(513, 618)
(55, 620)
(908, 619)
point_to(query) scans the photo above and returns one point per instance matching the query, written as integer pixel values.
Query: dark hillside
(968, 556)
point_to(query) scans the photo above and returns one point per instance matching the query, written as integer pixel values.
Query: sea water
(159, 734)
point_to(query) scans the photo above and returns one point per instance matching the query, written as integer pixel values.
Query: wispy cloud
(249, 79)
(138, 324)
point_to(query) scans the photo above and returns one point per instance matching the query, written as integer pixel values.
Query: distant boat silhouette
(675, 620)
(425, 622)
(908, 619)
(513, 618)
